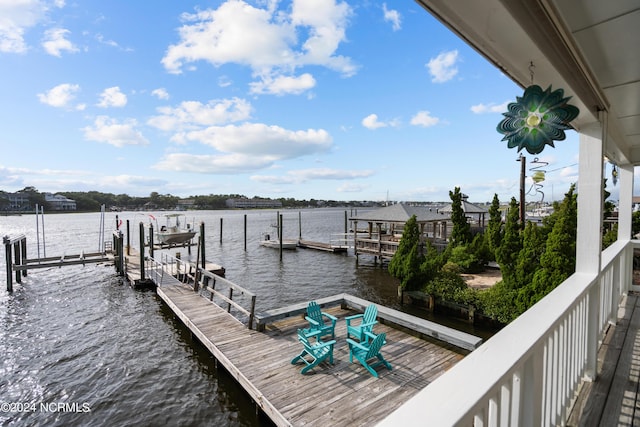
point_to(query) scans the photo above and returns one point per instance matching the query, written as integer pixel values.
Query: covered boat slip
(342, 394)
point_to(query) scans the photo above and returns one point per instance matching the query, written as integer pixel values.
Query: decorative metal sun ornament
(536, 119)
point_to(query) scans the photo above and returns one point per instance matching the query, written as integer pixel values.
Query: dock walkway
(342, 394)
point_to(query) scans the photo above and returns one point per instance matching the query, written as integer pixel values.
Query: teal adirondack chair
(359, 329)
(364, 352)
(313, 354)
(317, 322)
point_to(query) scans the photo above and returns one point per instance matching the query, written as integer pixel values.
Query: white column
(625, 203)
(590, 201)
(589, 233)
(625, 222)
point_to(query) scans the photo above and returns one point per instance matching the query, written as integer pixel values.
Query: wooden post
(8, 260)
(346, 228)
(202, 247)
(141, 251)
(151, 243)
(280, 234)
(23, 246)
(230, 298)
(196, 284)
(220, 230)
(252, 312)
(299, 225)
(128, 240)
(245, 232)
(16, 256)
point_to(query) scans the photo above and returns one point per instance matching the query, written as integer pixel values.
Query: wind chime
(537, 118)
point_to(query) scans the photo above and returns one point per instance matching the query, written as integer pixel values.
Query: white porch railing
(529, 373)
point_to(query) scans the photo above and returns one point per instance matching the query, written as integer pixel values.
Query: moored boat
(174, 232)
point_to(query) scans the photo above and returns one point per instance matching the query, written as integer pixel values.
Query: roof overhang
(588, 48)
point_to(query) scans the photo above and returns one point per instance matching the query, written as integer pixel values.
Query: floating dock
(320, 246)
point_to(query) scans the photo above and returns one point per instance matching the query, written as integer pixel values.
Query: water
(80, 347)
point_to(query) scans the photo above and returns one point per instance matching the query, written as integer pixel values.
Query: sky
(303, 99)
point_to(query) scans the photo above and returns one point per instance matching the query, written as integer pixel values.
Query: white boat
(174, 232)
(268, 242)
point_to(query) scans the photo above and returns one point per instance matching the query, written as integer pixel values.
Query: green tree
(405, 264)
(494, 228)
(461, 231)
(558, 261)
(507, 254)
(528, 259)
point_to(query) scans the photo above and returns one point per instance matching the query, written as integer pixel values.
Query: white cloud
(245, 148)
(425, 119)
(372, 122)
(490, 108)
(304, 175)
(109, 131)
(160, 93)
(112, 97)
(257, 139)
(266, 40)
(281, 85)
(61, 96)
(194, 115)
(16, 17)
(443, 67)
(392, 16)
(212, 164)
(121, 181)
(55, 42)
(349, 187)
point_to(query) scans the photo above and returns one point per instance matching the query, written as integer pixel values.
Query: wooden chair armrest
(364, 325)
(310, 320)
(355, 316)
(357, 344)
(332, 317)
(321, 344)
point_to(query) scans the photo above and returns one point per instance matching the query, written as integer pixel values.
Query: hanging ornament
(537, 118)
(614, 174)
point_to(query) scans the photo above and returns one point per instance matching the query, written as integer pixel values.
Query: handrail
(530, 371)
(169, 269)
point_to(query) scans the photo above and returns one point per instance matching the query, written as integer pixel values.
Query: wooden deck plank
(611, 399)
(261, 362)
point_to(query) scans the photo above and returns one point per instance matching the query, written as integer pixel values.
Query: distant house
(244, 203)
(184, 204)
(17, 201)
(58, 202)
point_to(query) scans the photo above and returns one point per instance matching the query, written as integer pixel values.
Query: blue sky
(305, 99)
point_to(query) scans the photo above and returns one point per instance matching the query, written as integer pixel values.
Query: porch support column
(589, 233)
(625, 221)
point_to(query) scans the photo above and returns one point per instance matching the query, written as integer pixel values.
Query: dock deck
(342, 394)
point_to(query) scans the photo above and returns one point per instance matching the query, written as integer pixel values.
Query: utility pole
(523, 163)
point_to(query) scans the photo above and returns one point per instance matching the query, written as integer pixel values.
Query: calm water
(80, 347)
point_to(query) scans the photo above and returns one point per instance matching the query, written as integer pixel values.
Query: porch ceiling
(589, 48)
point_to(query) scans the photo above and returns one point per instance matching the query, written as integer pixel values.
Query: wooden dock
(342, 394)
(320, 246)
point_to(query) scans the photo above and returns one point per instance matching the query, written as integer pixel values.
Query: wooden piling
(280, 234)
(220, 230)
(202, 246)
(128, 240)
(245, 232)
(8, 260)
(141, 251)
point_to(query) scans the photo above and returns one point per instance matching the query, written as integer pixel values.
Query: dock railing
(529, 373)
(170, 270)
